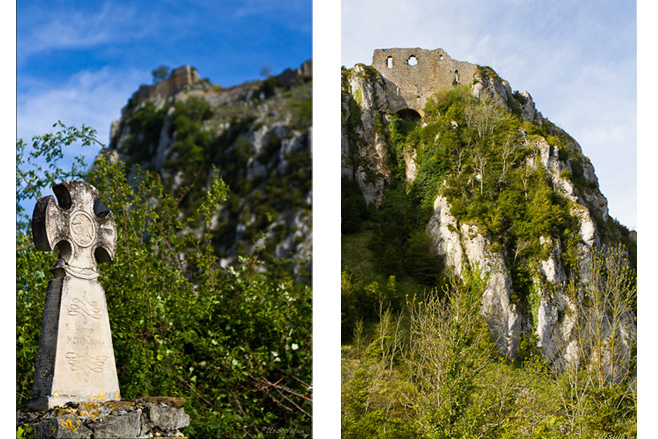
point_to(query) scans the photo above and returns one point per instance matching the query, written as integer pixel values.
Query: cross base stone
(149, 417)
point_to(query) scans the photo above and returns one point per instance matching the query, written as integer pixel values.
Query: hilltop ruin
(412, 75)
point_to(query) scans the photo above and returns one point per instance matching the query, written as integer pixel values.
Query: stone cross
(75, 361)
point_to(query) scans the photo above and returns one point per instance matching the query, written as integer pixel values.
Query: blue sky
(576, 58)
(80, 61)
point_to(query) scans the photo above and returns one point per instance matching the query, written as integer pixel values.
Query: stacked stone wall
(148, 417)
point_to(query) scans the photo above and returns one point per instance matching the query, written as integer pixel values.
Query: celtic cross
(75, 361)
(81, 235)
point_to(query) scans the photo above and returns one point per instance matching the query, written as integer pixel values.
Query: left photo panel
(164, 219)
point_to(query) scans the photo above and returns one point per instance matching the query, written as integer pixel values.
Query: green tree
(265, 71)
(159, 73)
(449, 345)
(598, 386)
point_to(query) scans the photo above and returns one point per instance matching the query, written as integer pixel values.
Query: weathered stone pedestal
(75, 361)
(145, 418)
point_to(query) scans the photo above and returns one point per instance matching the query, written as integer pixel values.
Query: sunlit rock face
(256, 136)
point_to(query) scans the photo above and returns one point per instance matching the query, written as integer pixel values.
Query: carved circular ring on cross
(82, 229)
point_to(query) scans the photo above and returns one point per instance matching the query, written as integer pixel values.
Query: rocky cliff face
(363, 140)
(256, 135)
(547, 314)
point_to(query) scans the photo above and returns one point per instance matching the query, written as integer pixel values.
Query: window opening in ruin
(440, 57)
(389, 62)
(397, 90)
(412, 61)
(456, 76)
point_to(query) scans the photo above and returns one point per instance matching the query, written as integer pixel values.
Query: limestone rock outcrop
(257, 136)
(365, 158)
(463, 246)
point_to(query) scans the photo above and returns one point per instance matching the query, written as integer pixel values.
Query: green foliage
(379, 413)
(353, 209)
(353, 116)
(520, 97)
(515, 103)
(235, 342)
(446, 99)
(449, 345)
(486, 72)
(270, 85)
(192, 139)
(565, 173)
(24, 432)
(400, 244)
(358, 301)
(399, 129)
(160, 73)
(304, 111)
(37, 169)
(145, 124)
(447, 381)
(527, 348)
(434, 388)
(31, 286)
(474, 155)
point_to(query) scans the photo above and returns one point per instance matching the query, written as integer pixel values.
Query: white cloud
(94, 98)
(41, 31)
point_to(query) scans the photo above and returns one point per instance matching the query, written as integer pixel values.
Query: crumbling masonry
(177, 80)
(412, 75)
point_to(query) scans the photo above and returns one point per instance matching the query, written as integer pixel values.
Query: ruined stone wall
(412, 75)
(182, 76)
(178, 78)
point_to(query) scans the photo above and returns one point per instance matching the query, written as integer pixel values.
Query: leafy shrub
(353, 209)
(398, 225)
(357, 303)
(235, 342)
(520, 97)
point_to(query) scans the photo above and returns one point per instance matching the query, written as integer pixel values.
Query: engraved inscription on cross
(75, 361)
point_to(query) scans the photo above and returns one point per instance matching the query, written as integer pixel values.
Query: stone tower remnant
(412, 75)
(75, 360)
(177, 80)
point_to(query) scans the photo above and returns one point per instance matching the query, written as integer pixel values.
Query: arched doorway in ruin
(409, 114)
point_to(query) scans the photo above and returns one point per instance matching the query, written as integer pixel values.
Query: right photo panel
(488, 220)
